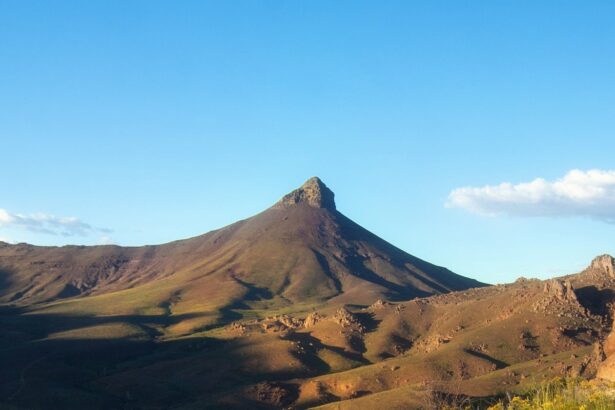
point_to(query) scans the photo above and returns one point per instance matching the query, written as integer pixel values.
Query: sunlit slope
(474, 343)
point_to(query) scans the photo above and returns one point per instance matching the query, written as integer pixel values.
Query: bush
(563, 394)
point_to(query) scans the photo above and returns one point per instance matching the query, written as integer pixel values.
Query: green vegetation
(563, 394)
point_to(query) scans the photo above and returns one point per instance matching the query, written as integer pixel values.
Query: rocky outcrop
(432, 343)
(348, 320)
(604, 354)
(313, 193)
(280, 323)
(379, 304)
(604, 263)
(312, 319)
(286, 324)
(605, 351)
(559, 298)
(561, 291)
(274, 394)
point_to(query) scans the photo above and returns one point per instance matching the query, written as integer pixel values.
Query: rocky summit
(313, 193)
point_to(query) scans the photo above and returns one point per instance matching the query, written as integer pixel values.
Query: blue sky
(149, 121)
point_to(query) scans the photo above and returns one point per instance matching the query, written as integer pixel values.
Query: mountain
(301, 252)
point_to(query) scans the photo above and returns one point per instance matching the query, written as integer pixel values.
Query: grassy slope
(469, 342)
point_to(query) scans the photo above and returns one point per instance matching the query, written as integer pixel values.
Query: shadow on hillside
(255, 293)
(119, 373)
(41, 325)
(322, 261)
(4, 280)
(311, 346)
(498, 363)
(368, 320)
(597, 301)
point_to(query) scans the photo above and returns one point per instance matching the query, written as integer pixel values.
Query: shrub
(563, 394)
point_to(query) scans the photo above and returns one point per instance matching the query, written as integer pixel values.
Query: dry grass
(563, 394)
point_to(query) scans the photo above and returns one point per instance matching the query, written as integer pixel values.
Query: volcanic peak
(313, 193)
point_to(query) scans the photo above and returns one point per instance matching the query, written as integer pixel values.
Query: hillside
(474, 345)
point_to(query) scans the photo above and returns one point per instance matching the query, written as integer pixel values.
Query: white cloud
(48, 224)
(578, 193)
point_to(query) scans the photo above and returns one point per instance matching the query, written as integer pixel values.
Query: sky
(478, 135)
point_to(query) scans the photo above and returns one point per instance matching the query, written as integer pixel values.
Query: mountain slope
(424, 353)
(477, 343)
(299, 252)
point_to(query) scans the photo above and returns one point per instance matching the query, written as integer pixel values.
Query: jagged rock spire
(313, 193)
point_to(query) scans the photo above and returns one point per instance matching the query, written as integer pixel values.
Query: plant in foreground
(563, 394)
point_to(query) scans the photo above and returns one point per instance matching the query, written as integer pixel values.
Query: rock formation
(312, 319)
(605, 263)
(313, 193)
(562, 291)
(348, 320)
(606, 351)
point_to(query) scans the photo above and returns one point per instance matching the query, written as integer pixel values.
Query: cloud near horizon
(48, 224)
(578, 193)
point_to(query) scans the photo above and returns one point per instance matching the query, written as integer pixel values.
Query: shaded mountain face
(298, 252)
